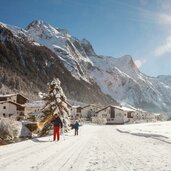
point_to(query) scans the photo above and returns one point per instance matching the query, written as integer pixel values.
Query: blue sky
(140, 28)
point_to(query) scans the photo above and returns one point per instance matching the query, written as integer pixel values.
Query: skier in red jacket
(57, 124)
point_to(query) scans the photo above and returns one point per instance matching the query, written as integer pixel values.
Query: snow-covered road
(100, 148)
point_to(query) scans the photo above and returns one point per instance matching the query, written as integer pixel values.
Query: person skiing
(76, 126)
(57, 124)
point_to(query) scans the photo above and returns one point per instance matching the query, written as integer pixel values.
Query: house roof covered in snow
(117, 107)
(95, 105)
(10, 95)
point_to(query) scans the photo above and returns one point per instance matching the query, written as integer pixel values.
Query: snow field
(101, 148)
(158, 130)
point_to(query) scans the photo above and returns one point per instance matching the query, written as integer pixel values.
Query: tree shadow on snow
(38, 140)
(146, 135)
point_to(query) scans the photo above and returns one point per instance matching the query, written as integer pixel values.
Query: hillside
(27, 68)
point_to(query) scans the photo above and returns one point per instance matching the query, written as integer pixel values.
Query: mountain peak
(85, 41)
(37, 23)
(127, 60)
(87, 47)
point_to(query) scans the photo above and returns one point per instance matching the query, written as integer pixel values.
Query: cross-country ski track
(100, 148)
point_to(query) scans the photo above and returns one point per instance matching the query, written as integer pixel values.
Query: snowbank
(158, 130)
(10, 129)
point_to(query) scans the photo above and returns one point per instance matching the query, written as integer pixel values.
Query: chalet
(141, 115)
(33, 107)
(89, 110)
(16, 98)
(11, 109)
(114, 115)
(158, 117)
(76, 112)
(12, 105)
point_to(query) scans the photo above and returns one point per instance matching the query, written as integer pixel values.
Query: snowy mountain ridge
(59, 41)
(123, 81)
(62, 44)
(27, 66)
(117, 77)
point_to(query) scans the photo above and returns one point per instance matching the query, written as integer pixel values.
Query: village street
(101, 148)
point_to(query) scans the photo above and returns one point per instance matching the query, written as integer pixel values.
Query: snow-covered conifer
(55, 103)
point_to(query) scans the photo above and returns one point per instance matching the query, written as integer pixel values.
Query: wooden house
(12, 105)
(114, 114)
(11, 109)
(89, 110)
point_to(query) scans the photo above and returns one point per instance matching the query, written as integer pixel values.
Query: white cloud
(163, 49)
(164, 18)
(140, 62)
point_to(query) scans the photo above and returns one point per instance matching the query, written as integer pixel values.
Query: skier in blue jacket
(76, 126)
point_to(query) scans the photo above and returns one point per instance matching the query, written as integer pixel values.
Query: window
(79, 110)
(4, 107)
(129, 115)
(4, 115)
(10, 115)
(112, 112)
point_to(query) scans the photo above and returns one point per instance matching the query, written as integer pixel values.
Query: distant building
(113, 115)
(11, 109)
(75, 112)
(33, 107)
(140, 115)
(89, 110)
(158, 117)
(12, 105)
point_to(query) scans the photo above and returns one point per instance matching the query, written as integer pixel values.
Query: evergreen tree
(55, 103)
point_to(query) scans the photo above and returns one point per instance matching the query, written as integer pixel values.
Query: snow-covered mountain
(68, 48)
(116, 77)
(27, 67)
(120, 78)
(166, 79)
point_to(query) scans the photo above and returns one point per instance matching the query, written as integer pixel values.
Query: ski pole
(63, 133)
